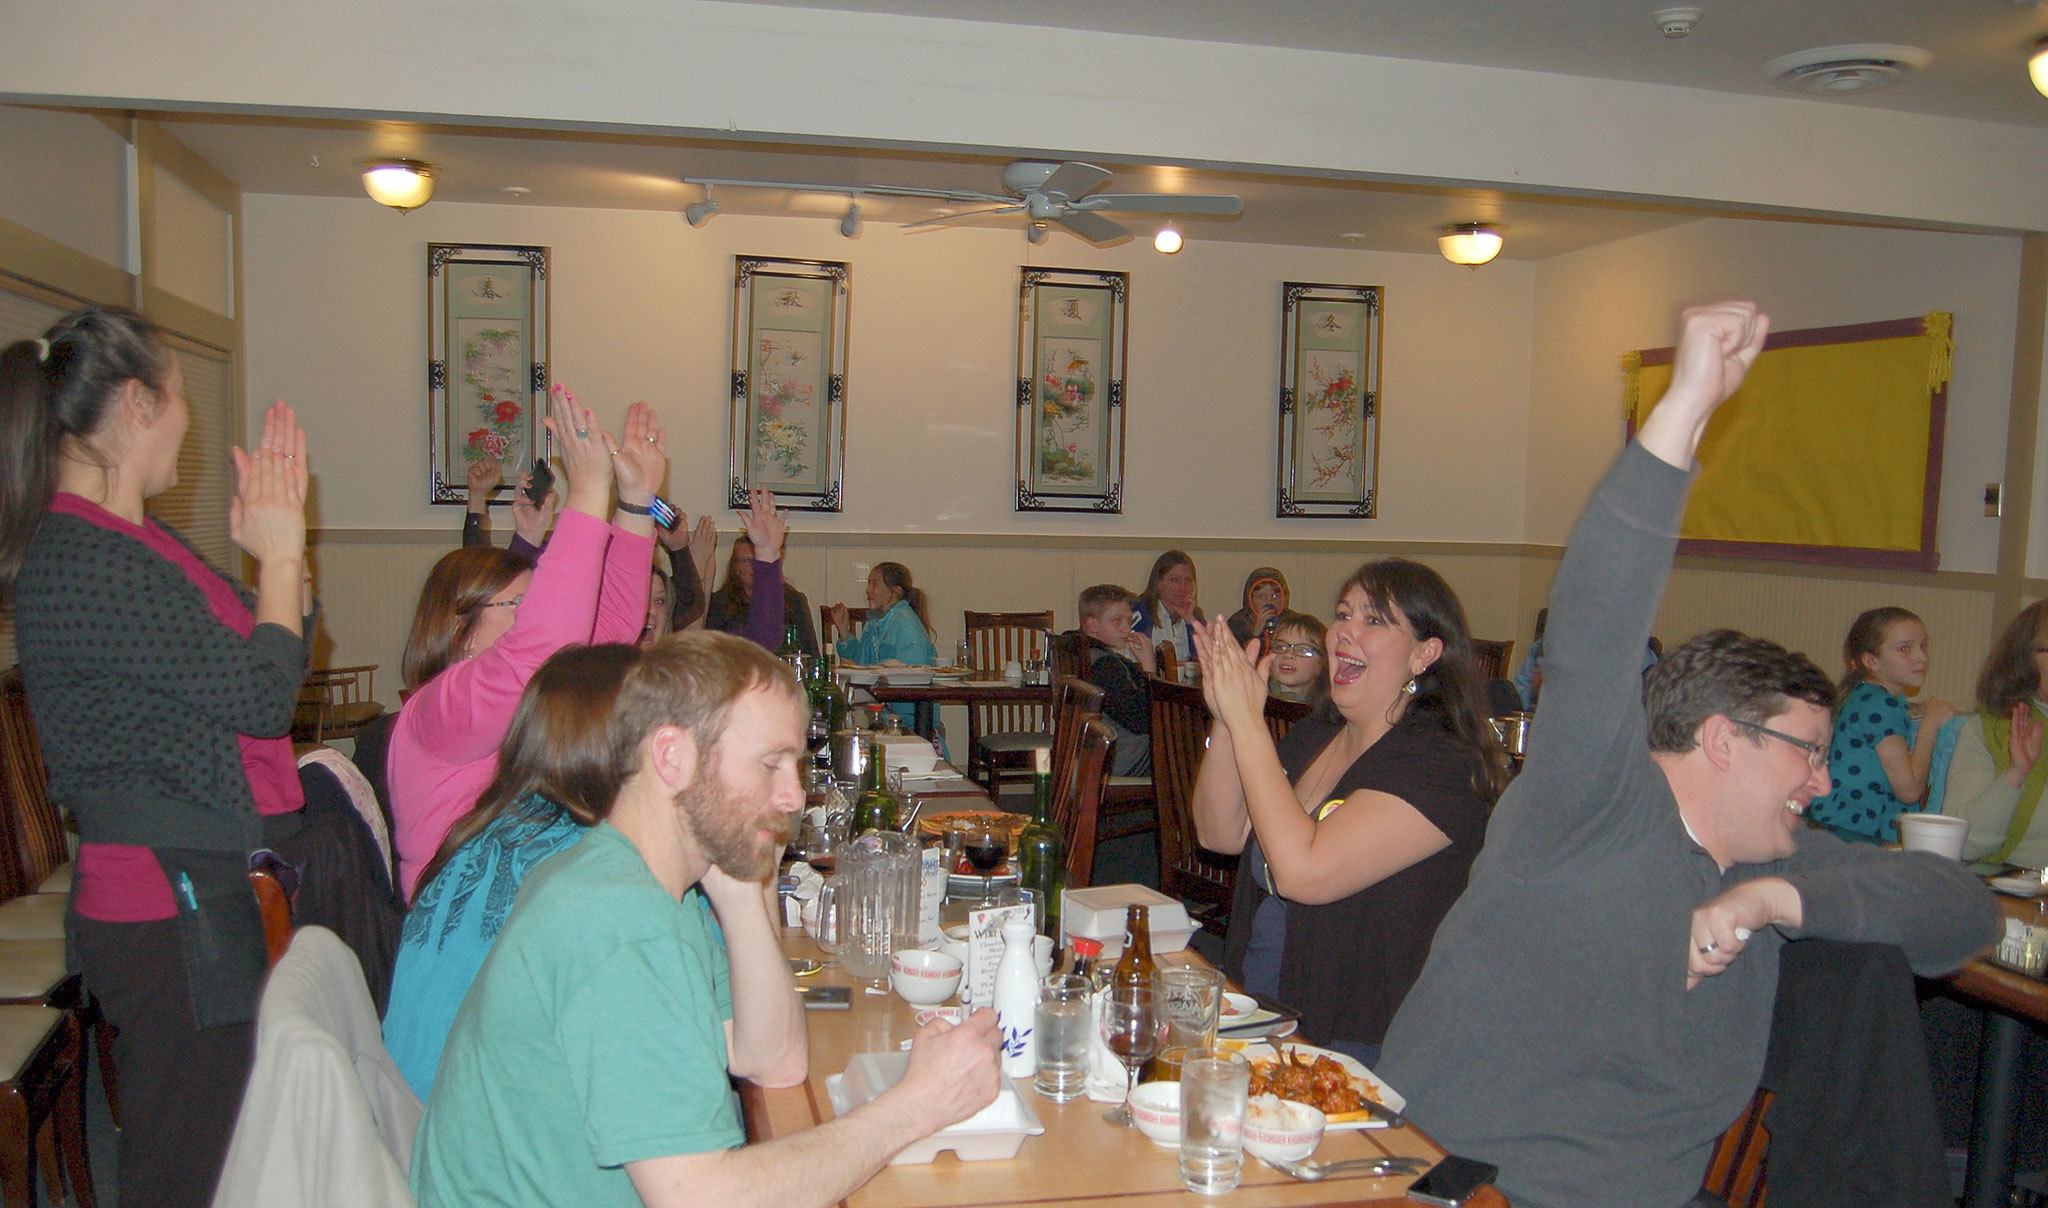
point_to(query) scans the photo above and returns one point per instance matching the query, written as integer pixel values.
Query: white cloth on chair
(327, 1118)
(360, 795)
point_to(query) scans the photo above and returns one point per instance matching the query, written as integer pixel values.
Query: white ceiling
(1978, 48)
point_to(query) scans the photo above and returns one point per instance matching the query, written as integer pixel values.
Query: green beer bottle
(1041, 852)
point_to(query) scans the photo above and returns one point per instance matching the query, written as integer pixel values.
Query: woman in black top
(1360, 828)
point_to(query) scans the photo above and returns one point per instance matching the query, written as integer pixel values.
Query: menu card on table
(985, 948)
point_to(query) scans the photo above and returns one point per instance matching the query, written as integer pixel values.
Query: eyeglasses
(511, 603)
(1300, 650)
(1816, 754)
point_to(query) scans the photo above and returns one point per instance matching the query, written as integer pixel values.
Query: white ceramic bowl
(1155, 1108)
(1281, 1130)
(923, 977)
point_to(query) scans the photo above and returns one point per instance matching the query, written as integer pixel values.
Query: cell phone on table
(540, 482)
(1451, 1182)
(826, 998)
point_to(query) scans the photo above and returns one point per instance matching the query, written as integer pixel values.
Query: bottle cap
(1084, 946)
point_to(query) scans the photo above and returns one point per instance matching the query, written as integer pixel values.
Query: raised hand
(586, 452)
(267, 518)
(529, 519)
(766, 527)
(641, 455)
(1716, 347)
(484, 476)
(842, 622)
(1233, 682)
(2023, 742)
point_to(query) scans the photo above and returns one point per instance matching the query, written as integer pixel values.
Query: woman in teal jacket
(898, 626)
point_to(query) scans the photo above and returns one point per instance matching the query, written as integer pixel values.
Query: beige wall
(66, 177)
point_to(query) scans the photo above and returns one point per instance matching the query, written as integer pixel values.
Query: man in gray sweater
(1595, 1009)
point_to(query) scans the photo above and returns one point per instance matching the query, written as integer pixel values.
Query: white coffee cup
(1937, 833)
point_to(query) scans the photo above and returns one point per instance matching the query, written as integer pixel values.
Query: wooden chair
(42, 1106)
(856, 620)
(1205, 879)
(1078, 809)
(1075, 702)
(1068, 654)
(1496, 660)
(39, 839)
(1282, 714)
(1736, 1171)
(336, 702)
(1001, 736)
(275, 905)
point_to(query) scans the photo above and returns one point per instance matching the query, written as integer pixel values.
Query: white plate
(2019, 887)
(1393, 1099)
(1240, 1009)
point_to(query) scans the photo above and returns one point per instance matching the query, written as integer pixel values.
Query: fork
(1316, 1172)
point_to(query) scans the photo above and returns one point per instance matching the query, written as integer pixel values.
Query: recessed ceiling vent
(1838, 70)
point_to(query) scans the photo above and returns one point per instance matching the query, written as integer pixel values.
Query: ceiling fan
(1065, 193)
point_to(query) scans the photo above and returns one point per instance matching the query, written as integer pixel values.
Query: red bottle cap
(1083, 946)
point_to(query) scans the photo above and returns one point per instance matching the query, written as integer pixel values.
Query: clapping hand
(586, 452)
(1233, 680)
(267, 518)
(766, 527)
(640, 455)
(2023, 741)
(842, 621)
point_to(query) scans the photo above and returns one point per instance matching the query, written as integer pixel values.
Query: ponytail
(59, 386)
(897, 575)
(1866, 636)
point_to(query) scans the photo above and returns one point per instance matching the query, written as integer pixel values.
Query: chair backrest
(1495, 659)
(336, 702)
(856, 620)
(1736, 1171)
(1081, 808)
(997, 638)
(1282, 714)
(1180, 724)
(1068, 654)
(327, 1118)
(1076, 700)
(38, 843)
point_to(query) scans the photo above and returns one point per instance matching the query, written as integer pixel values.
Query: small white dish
(1281, 1130)
(1238, 1008)
(2018, 887)
(924, 977)
(1155, 1109)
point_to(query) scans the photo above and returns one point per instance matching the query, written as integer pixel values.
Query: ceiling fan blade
(1092, 227)
(1073, 180)
(963, 216)
(1165, 203)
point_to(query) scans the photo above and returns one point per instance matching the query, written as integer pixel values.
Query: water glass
(1066, 1028)
(1212, 1098)
(963, 654)
(1191, 1004)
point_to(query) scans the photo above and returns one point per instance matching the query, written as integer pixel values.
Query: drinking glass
(1191, 1004)
(986, 847)
(1212, 1097)
(1064, 1026)
(829, 917)
(1130, 1027)
(963, 654)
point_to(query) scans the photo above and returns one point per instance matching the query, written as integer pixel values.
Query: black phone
(826, 998)
(540, 483)
(1450, 1182)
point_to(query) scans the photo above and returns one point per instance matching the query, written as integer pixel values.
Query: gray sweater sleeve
(1932, 908)
(1590, 730)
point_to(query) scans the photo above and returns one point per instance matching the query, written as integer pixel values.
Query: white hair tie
(42, 349)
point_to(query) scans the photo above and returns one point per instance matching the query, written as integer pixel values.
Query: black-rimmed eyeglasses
(1816, 753)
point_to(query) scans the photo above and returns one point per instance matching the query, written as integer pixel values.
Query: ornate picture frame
(487, 362)
(1329, 401)
(788, 427)
(1073, 328)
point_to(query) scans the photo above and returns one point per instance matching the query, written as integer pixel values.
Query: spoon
(1316, 1172)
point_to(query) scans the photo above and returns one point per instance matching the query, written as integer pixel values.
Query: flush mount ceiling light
(402, 184)
(849, 226)
(1839, 70)
(1469, 243)
(1167, 241)
(2037, 67)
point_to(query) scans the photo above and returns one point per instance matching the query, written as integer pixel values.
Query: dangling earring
(1408, 689)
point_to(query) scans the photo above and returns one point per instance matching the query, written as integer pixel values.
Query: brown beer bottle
(1135, 966)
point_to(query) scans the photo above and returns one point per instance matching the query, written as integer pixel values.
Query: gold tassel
(1939, 326)
(1631, 385)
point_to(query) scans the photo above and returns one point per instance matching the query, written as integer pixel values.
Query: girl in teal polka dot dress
(1877, 761)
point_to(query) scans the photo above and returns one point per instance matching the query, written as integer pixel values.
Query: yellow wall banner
(1830, 451)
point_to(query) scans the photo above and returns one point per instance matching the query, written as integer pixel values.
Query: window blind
(198, 505)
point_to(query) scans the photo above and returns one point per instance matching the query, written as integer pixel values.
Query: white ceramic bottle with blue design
(1016, 1000)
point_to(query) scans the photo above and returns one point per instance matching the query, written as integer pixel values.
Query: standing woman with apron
(163, 693)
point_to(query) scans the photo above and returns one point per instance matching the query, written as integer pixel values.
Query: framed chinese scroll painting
(1071, 331)
(788, 428)
(1329, 400)
(487, 362)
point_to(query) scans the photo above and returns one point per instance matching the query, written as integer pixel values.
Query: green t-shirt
(593, 1037)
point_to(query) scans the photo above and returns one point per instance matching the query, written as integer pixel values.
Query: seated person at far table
(1595, 1009)
(1120, 662)
(590, 1063)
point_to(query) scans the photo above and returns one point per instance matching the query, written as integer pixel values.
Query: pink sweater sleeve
(628, 577)
(462, 714)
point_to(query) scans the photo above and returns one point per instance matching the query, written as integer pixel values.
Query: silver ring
(583, 432)
(1709, 948)
(650, 440)
(291, 457)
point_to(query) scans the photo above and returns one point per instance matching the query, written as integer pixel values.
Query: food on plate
(939, 824)
(1322, 1083)
(1275, 1114)
(953, 670)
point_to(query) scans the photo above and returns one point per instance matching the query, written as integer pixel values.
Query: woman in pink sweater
(485, 623)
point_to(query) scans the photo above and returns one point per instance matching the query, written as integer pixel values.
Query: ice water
(1065, 1027)
(1212, 1098)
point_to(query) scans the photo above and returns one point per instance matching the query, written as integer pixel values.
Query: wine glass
(986, 847)
(1130, 1027)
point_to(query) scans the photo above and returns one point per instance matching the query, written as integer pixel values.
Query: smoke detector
(1838, 70)
(1678, 21)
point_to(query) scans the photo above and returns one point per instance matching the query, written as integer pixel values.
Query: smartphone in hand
(540, 483)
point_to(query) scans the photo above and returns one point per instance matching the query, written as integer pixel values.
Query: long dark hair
(1449, 691)
(1866, 636)
(560, 746)
(2009, 675)
(897, 575)
(1148, 603)
(732, 598)
(451, 600)
(62, 386)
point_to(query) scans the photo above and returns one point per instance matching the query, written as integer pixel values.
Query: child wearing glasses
(1298, 658)
(1877, 763)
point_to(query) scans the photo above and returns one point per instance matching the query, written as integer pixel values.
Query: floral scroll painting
(789, 380)
(1329, 400)
(1070, 390)
(487, 362)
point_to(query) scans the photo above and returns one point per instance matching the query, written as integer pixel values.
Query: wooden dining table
(925, 698)
(2012, 1003)
(1081, 1161)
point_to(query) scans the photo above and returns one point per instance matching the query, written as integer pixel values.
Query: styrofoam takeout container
(911, 752)
(1098, 913)
(991, 1134)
